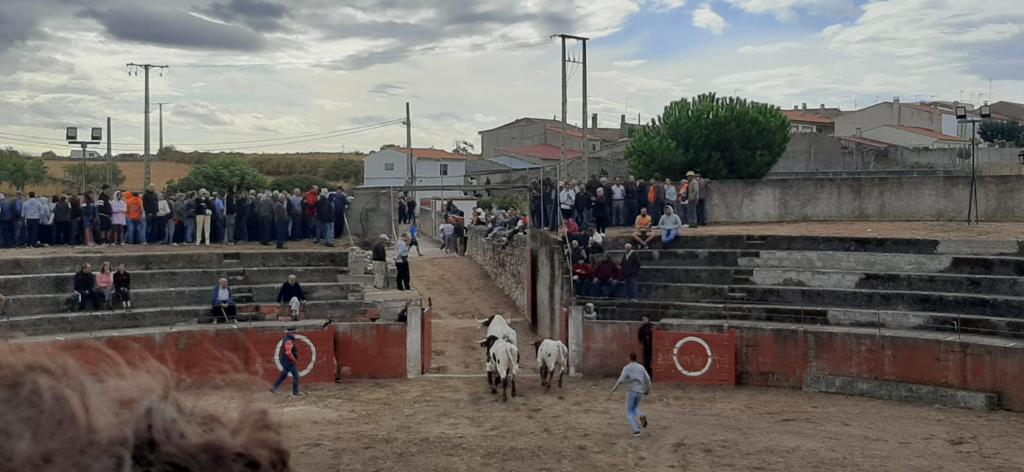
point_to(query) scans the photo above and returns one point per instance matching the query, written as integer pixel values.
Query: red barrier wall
(782, 356)
(694, 358)
(204, 354)
(371, 350)
(606, 345)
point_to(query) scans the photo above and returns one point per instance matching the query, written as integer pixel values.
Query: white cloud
(788, 10)
(631, 63)
(705, 17)
(667, 5)
(771, 48)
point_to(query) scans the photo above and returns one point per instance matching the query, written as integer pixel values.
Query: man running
(639, 384)
(289, 357)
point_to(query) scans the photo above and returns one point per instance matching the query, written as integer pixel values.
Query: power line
(319, 133)
(323, 138)
(395, 53)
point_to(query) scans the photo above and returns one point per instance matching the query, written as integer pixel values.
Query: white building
(77, 154)
(389, 167)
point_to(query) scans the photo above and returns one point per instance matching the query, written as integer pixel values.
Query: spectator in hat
(380, 261)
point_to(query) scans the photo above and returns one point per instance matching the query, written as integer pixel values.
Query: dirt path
(461, 290)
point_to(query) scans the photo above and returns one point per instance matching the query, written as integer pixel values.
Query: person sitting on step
(85, 288)
(291, 294)
(223, 302)
(123, 286)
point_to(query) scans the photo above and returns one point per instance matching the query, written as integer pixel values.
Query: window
(389, 166)
(444, 169)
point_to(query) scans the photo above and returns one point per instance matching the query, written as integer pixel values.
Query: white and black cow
(551, 355)
(499, 327)
(502, 365)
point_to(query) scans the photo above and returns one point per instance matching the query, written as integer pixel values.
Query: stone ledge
(899, 391)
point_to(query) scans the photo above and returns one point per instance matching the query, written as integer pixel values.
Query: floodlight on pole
(95, 135)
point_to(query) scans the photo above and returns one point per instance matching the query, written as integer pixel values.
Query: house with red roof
(804, 122)
(913, 137)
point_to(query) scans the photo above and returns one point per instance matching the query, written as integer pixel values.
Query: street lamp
(985, 111)
(95, 137)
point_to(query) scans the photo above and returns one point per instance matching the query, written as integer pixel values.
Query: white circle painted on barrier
(312, 355)
(675, 356)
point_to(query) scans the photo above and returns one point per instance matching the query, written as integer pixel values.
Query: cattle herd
(502, 347)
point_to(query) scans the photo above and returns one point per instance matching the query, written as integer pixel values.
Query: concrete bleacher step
(172, 260)
(21, 305)
(618, 309)
(837, 278)
(29, 284)
(339, 310)
(973, 304)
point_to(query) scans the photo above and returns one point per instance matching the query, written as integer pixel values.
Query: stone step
(171, 259)
(22, 305)
(622, 310)
(51, 323)
(973, 304)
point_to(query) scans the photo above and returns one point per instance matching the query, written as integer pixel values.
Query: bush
(220, 174)
(503, 203)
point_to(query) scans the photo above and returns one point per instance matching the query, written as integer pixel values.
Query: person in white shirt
(566, 200)
(618, 203)
(636, 379)
(669, 224)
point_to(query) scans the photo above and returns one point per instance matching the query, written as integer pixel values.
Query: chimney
(622, 122)
(822, 107)
(804, 106)
(858, 132)
(593, 121)
(796, 107)
(896, 109)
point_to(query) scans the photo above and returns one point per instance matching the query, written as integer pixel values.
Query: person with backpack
(289, 358)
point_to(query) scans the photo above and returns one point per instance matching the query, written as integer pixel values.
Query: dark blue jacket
(288, 291)
(215, 299)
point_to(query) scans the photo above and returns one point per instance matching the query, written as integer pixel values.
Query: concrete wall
(813, 151)
(550, 285)
(932, 198)
(508, 265)
(514, 136)
(780, 356)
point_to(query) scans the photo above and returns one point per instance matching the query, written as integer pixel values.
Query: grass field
(134, 173)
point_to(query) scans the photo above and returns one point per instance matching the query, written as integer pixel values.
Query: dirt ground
(866, 229)
(449, 421)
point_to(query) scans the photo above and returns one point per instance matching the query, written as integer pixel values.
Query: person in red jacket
(582, 276)
(606, 276)
(313, 226)
(289, 358)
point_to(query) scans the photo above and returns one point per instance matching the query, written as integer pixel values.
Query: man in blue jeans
(635, 377)
(669, 224)
(289, 357)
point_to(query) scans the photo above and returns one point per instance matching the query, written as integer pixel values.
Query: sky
(332, 75)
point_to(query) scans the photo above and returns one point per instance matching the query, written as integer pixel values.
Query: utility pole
(565, 102)
(146, 68)
(161, 108)
(586, 157)
(408, 148)
(110, 155)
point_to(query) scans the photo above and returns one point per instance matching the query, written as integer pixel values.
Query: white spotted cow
(502, 365)
(499, 327)
(551, 355)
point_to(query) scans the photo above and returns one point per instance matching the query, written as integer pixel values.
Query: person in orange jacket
(136, 220)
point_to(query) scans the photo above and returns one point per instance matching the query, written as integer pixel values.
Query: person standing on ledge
(380, 261)
(630, 270)
(646, 336)
(639, 383)
(402, 263)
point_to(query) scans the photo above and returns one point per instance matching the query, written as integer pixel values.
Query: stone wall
(508, 265)
(923, 198)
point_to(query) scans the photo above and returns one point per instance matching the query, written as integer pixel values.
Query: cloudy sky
(274, 75)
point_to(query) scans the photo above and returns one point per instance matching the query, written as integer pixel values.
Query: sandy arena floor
(455, 424)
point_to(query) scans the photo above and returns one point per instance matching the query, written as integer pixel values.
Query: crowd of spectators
(116, 217)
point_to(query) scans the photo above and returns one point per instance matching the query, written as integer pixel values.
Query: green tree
(301, 182)
(95, 175)
(220, 174)
(49, 155)
(722, 138)
(20, 171)
(999, 132)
